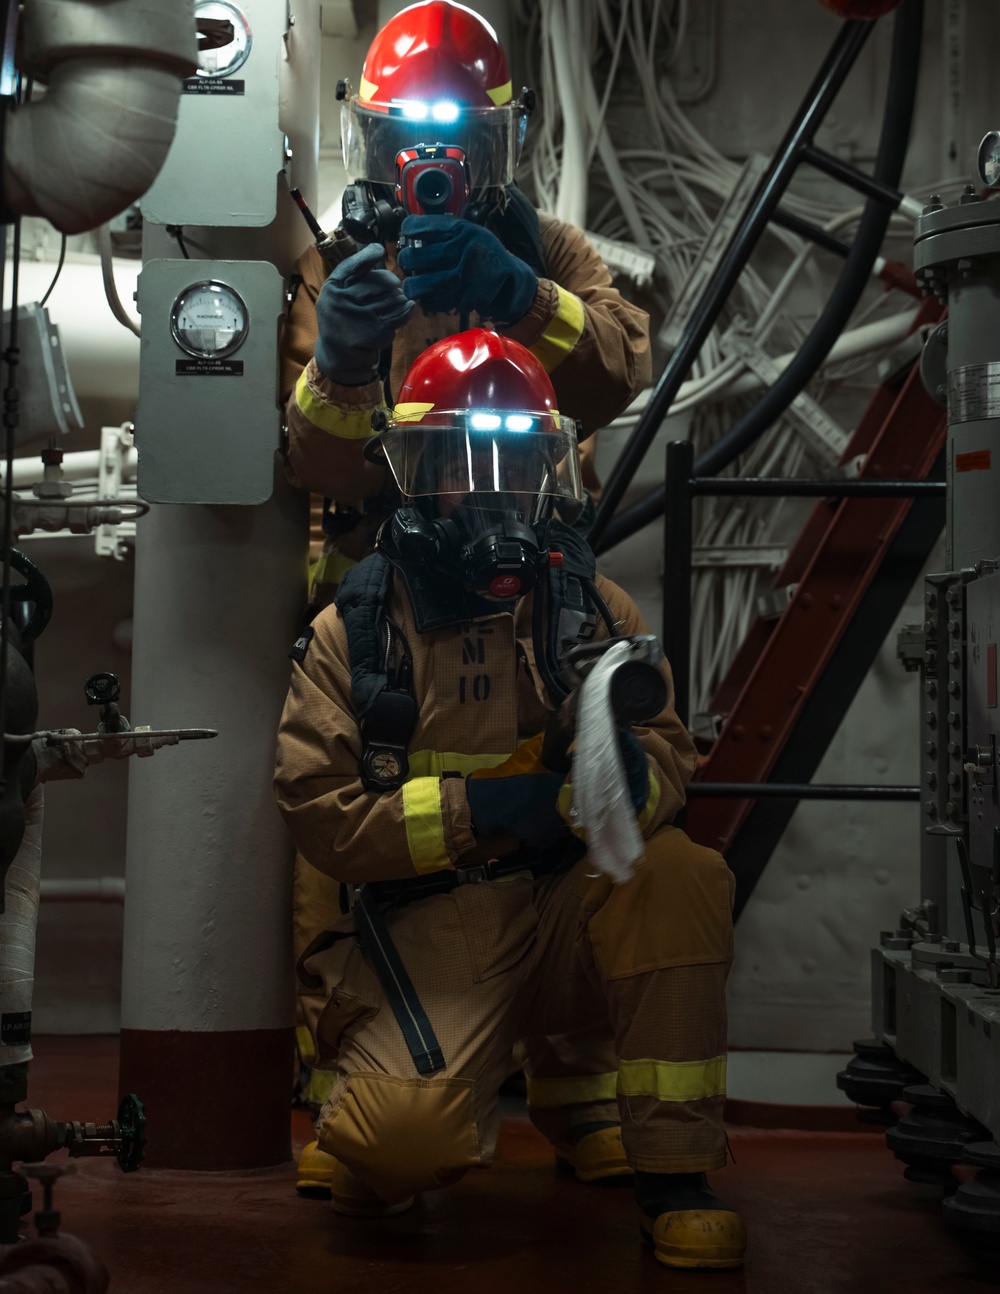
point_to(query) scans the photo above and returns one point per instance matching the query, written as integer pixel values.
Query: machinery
(936, 978)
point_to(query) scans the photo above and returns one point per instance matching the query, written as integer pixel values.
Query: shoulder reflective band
(562, 332)
(673, 1080)
(552, 1093)
(652, 800)
(352, 424)
(396, 984)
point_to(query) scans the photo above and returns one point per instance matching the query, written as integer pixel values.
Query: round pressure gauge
(224, 37)
(209, 320)
(989, 160)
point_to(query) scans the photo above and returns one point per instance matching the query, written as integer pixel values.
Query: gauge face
(989, 159)
(224, 38)
(209, 320)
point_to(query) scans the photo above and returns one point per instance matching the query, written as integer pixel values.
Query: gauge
(989, 160)
(224, 38)
(209, 320)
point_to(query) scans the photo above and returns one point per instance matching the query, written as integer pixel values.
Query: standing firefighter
(410, 769)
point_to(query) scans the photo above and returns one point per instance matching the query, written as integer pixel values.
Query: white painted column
(207, 1003)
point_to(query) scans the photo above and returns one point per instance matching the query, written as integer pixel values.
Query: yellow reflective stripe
(673, 1080)
(562, 333)
(646, 816)
(434, 763)
(502, 93)
(411, 410)
(320, 1084)
(353, 425)
(330, 568)
(367, 89)
(549, 1093)
(304, 1044)
(425, 824)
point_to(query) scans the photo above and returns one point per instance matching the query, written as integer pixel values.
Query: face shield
(476, 485)
(373, 138)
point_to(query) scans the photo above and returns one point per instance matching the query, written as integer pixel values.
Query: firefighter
(434, 75)
(409, 769)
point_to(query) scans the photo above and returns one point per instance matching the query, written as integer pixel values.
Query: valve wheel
(35, 590)
(132, 1131)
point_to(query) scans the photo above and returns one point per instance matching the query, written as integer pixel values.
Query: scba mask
(478, 487)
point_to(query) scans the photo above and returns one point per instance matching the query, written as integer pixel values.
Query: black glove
(461, 266)
(358, 310)
(636, 769)
(522, 806)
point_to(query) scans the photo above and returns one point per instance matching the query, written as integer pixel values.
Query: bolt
(951, 945)
(931, 749)
(951, 975)
(969, 194)
(954, 779)
(951, 597)
(930, 687)
(930, 718)
(930, 659)
(930, 598)
(931, 780)
(930, 808)
(954, 688)
(954, 718)
(954, 657)
(951, 809)
(954, 748)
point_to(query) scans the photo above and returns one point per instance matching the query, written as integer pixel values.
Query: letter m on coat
(473, 653)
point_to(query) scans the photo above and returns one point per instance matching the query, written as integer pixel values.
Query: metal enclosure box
(228, 150)
(46, 399)
(206, 431)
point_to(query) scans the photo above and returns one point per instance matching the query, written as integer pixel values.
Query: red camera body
(432, 180)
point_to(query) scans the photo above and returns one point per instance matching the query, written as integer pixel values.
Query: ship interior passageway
(499, 593)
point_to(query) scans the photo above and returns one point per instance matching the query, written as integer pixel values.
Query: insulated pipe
(96, 140)
(95, 889)
(207, 999)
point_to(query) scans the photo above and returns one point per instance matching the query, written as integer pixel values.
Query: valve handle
(100, 689)
(35, 591)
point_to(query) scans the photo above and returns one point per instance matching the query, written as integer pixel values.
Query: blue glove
(461, 266)
(522, 806)
(358, 310)
(636, 769)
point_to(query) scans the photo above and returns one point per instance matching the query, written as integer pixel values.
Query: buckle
(474, 875)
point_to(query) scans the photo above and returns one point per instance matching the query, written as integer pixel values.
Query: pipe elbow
(94, 144)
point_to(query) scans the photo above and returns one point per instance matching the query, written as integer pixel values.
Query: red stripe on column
(212, 1100)
(976, 461)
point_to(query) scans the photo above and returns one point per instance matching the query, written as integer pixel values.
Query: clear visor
(485, 453)
(491, 138)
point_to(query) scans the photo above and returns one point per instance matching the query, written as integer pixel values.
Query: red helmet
(434, 75)
(477, 414)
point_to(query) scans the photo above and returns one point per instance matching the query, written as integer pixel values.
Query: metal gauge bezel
(990, 145)
(175, 329)
(241, 23)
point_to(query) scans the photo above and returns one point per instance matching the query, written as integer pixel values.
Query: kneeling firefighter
(410, 769)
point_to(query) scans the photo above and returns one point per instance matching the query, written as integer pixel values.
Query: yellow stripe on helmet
(502, 94)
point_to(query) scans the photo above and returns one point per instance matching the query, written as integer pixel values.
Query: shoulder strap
(516, 225)
(386, 707)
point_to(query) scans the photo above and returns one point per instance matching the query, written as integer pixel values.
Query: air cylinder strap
(411, 1017)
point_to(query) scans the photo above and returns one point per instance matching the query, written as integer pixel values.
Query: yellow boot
(323, 1174)
(315, 1171)
(687, 1225)
(598, 1156)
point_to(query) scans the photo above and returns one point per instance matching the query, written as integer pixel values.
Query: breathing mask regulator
(482, 458)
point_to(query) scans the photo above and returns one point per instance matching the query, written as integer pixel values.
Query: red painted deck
(828, 1213)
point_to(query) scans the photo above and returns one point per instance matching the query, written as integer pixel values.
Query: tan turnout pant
(618, 992)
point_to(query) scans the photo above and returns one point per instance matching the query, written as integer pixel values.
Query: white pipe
(96, 140)
(97, 889)
(83, 465)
